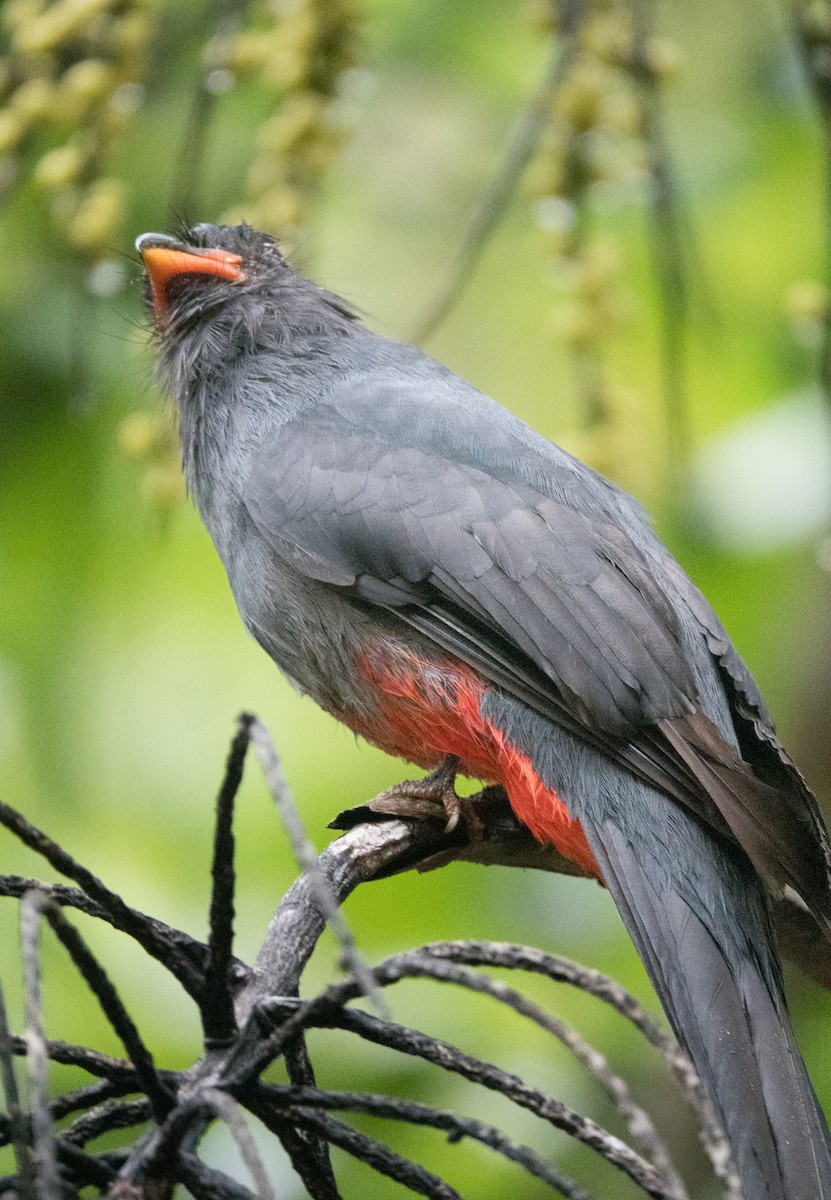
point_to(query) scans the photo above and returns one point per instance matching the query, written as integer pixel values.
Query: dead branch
(252, 1016)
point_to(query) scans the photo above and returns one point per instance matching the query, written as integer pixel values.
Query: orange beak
(164, 259)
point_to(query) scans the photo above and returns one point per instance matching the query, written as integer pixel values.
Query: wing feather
(553, 597)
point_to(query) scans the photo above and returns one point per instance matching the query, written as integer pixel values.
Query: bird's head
(222, 295)
(239, 333)
(206, 272)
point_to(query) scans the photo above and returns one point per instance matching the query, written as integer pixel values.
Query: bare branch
(218, 1020)
(637, 1120)
(207, 1183)
(374, 1153)
(166, 946)
(668, 247)
(814, 48)
(449, 1058)
(47, 1182)
(227, 1108)
(113, 1069)
(105, 993)
(595, 983)
(112, 1114)
(84, 1099)
(307, 859)
(309, 1153)
(17, 1124)
(494, 204)
(177, 1107)
(455, 1126)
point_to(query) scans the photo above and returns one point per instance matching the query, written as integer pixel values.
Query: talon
(453, 819)
(429, 798)
(432, 798)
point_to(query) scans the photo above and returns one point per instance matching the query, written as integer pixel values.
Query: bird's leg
(431, 797)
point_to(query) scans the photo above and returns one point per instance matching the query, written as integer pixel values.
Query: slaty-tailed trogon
(448, 583)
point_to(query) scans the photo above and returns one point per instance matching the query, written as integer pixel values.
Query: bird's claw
(432, 798)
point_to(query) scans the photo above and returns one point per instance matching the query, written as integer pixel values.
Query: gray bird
(469, 597)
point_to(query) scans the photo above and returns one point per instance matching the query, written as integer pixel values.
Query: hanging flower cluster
(301, 50)
(71, 77)
(592, 158)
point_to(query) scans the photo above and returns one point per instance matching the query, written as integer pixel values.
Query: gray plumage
(358, 491)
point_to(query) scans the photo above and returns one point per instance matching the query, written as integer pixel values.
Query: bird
(466, 595)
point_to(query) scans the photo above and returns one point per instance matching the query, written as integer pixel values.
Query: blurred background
(636, 202)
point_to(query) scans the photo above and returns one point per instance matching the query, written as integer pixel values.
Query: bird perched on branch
(469, 597)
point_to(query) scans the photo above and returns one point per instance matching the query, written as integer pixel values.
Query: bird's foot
(430, 798)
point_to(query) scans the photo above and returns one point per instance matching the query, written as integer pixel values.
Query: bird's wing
(548, 599)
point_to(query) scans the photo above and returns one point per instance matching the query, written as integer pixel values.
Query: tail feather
(723, 997)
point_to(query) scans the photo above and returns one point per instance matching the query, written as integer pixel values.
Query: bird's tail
(696, 913)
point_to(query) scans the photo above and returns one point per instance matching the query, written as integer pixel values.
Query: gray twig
(307, 859)
(494, 204)
(218, 1020)
(103, 1118)
(557, 1114)
(455, 1126)
(48, 1182)
(668, 248)
(17, 1130)
(368, 1150)
(637, 1119)
(111, 1004)
(178, 1106)
(229, 1111)
(175, 950)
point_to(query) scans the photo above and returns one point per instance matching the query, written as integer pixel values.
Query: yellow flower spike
(249, 52)
(609, 36)
(130, 34)
(556, 243)
(12, 129)
(599, 268)
(664, 58)
(301, 116)
(86, 82)
(576, 323)
(19, 12)
(282, 208)
(58, 168)
(541, 16)
(546, 175)
(33, 100)
(620, 111)
(310, 158)
(56, 25)
(816, 19)
(263, 173)
(95, 224)
(580, 97)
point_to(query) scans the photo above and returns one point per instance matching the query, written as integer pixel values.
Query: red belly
(428, 710)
